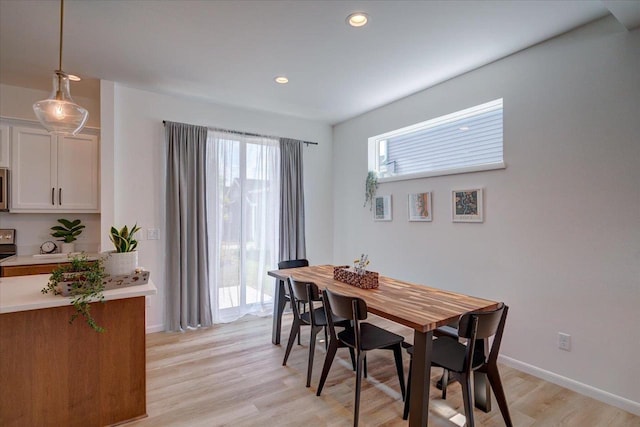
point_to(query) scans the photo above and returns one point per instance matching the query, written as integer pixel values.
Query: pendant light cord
(61, 26)
(58, 113)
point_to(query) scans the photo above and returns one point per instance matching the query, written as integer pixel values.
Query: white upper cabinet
(78, 183)
(32, 169)
(52, 173)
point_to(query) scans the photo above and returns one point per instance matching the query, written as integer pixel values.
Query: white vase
(120, 263)
(67, 248)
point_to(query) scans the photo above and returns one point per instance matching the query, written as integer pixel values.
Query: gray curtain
(292, 240)
(187, 257)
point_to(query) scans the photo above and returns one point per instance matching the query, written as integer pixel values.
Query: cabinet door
(33, 170)
(78, 172)
(4, 146)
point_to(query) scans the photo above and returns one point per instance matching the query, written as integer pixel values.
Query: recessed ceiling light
(282, 80)
(74, 78)
(357, 19)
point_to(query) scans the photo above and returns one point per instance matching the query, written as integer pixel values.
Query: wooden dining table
(419, 307)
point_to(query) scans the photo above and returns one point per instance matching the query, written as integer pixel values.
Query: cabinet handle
(53, 193)
(60, 196)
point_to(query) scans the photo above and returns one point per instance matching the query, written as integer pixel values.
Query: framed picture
(420, 206)
(467, 205)
(382, 208)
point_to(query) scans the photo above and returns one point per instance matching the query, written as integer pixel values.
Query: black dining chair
(293, 263)
(450, 330)
(285, 265)
(307, 293)
(460, 360)
(362, 338)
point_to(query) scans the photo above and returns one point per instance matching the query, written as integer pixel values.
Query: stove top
(7, 242)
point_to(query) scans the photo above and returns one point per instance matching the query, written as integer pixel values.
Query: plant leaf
(65, 222)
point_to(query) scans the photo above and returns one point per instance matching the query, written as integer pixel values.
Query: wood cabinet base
(28, 270)
(54, 373)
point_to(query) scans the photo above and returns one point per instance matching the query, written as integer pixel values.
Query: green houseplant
(124, 259)
(123, 239)
(67, 233)
(370, 188)
(82, 280)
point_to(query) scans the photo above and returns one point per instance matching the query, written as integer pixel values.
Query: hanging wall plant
(370, 188)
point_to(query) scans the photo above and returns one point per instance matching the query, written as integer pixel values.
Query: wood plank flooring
(231, 375)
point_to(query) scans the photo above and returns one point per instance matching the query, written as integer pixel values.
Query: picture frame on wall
(382, 208)
(467, 205)
(419, 207)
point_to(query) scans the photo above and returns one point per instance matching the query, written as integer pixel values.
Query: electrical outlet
(153, 234)
(564, 341)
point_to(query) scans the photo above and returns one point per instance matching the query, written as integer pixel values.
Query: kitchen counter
(26, 265)
(42, 259)
(23, 293)
(59, 373)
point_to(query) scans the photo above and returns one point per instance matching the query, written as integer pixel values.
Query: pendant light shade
(59, 114)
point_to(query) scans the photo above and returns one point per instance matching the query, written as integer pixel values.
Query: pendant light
(59, 114)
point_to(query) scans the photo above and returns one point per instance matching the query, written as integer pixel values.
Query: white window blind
(467, 140)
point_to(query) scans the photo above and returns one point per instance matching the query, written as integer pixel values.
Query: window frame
(375, 141)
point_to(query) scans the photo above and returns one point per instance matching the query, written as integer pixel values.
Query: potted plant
(124, 259)
(68, 233)
(370, 188)
(82, 280)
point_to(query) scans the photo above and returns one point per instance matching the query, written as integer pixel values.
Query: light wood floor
(231, 375)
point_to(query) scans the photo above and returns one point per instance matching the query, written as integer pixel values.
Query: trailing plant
(83, 281)
(68, 231)
(123, 239)
(370, 187)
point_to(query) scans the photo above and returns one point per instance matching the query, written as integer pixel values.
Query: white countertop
(42, 259)
(22, 293)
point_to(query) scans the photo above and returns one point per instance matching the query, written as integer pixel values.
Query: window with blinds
(464, 141)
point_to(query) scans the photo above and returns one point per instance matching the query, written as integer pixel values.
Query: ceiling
(228, 52)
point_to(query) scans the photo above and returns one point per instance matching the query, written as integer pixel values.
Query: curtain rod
(164, 122)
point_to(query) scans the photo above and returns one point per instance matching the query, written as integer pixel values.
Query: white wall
(561, 239)
(138, 165)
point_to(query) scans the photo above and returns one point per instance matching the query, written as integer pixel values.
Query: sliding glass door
(242, 210)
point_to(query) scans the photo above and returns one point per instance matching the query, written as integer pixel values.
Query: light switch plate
(153, 234)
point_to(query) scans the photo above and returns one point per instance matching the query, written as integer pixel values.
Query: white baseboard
(578, 387)
(154, 328)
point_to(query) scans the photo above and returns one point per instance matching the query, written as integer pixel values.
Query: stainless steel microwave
(4, 189)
